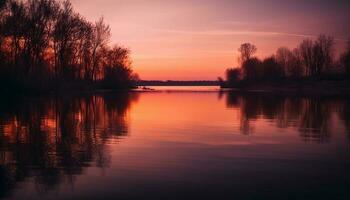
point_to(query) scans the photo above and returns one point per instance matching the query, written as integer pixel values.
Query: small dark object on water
(146, 88)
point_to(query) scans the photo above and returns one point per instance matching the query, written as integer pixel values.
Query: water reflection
(53, 139)
(345, 115)
(310, 115)
(49, 142)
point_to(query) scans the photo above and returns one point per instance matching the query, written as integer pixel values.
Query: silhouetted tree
(116, 65)
(38, 33)
(271, 69)
(345, 60)
(323, 53)
(316, 56)
(233, 76)
(290, 63)
(2, 56)
(72, 44)
(14, 28)
(45, 42)
(251, 69)
(62, 38)
(247, 50)
(2, 13)
(282, 57)
(305, 50)
(101, 35)
(83, 49)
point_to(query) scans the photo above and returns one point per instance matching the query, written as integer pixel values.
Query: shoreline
(303, 87)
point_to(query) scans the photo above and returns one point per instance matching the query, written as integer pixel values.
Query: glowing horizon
(198, 40)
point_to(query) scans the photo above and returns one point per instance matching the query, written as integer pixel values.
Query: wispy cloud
(242, 33)
(231, 32)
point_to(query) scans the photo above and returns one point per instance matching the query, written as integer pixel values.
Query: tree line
(46, 44)
(311, 59)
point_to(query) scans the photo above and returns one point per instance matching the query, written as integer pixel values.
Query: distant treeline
(176, 83)
(311, 60)
(45, 44)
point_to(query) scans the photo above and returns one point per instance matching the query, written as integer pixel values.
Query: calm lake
(175, 143)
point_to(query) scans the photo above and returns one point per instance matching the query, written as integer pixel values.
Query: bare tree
(289, 61)
(84, 48)
(116, 64)
(38, 32)
(42, 41)
(101, 36)
(13, 27)
(306, 55)
(247, 50)
(72, 42)
(345, 60)
(61, 37)
(322, 53)
(295, 68)
(283, 55)
(271, 69)
(316, 56)
(3, 7)
(251, 69)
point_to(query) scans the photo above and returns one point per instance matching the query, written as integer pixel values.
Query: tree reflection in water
(345, 115)
(50, 141)
(310, 115)
(53, 139)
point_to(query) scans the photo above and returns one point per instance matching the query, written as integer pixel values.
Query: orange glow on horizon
(196, 40)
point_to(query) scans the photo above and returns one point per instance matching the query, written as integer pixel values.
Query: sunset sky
(198, 39)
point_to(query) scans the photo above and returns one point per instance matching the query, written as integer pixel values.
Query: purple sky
(198, 39)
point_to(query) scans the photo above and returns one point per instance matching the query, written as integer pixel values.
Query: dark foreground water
(175, 145)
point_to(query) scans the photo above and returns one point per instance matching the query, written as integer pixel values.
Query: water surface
(175, 145)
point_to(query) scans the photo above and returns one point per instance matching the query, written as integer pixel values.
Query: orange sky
(198, 39)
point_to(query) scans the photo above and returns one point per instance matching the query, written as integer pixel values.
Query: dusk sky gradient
(198, 39)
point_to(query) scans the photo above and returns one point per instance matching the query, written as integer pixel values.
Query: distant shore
(303, 87)
(177, 83)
